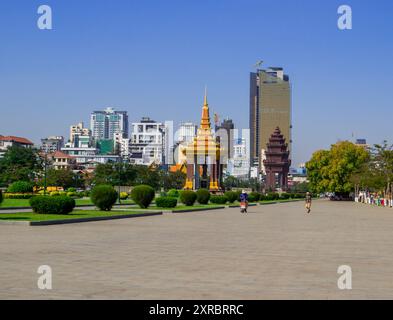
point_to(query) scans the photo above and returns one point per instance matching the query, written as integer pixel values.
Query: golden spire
(205, 121)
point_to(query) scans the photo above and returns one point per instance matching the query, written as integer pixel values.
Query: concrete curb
(14, 208)
(14, 223)
(197, 209)
(238, 206)
(78, 220)
(76, 207)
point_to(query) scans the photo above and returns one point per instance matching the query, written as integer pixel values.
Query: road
(273, 252)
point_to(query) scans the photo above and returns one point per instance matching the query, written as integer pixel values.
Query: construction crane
(258, 64)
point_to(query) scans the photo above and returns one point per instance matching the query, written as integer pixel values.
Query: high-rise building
(270, 107)
(239, 164)
(122, 146)
(80, 136)
(187, 132)
(224, 133)
(52, 144)
(148, 141)
(104, 124)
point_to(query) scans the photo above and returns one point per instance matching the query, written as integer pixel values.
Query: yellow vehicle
(48, 189)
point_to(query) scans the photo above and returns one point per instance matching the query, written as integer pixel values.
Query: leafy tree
(301, 187)
(115, 174)
(19, 163)
(148, 175)
(233, 182)
(381, 167)
(332, 170)
(65, 178)
(172, 180)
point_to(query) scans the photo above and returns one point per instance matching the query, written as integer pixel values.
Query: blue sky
(154, 58)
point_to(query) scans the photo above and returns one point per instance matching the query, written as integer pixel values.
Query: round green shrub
(72, 194)
(273, 196)
(173, 193)
(20, 187)
(104, 197)
(253, 197)
(285, 196)
(143, 195)
(52, 205)
(188, 197)
(203, 196)
(71, 190)
(232, 196)
(166, 202)
(218, 199)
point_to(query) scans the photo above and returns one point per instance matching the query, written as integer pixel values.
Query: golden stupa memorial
(202, 157)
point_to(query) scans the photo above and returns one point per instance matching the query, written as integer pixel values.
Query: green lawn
(9, 203)
(76, 214)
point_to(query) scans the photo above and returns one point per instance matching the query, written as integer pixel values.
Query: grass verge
(76, 214)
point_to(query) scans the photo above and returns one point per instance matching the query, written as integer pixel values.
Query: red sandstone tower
(277, 162)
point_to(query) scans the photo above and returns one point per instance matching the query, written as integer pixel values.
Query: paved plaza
(274, 252)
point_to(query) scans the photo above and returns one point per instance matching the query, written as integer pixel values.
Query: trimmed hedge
(254, 197)
(18, 195)
(166, 202)
(103, 197)
(143, 195)
(20, 187)
(203, 196)
(73, 194)
(173, 193)
(188, 197)
(218, 199)
(285, 196)
(232, 196)
(52, 205)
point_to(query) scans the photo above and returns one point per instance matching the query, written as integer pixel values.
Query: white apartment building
(122, 144)
(187, 132)
(52, 144)
(9, 141)
(239, 164)
(148, 139)
(88, 156)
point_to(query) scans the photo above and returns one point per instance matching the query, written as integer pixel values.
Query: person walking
(308, 202)
(243, 201)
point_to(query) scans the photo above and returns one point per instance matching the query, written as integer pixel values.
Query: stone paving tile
(274, 252)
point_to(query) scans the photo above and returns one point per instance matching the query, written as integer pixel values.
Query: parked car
(342, 196)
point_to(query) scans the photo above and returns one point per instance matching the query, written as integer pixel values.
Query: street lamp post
(120, 167)
(45, 172)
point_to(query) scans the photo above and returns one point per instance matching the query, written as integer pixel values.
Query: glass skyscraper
(105, 124)
(270, 107)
